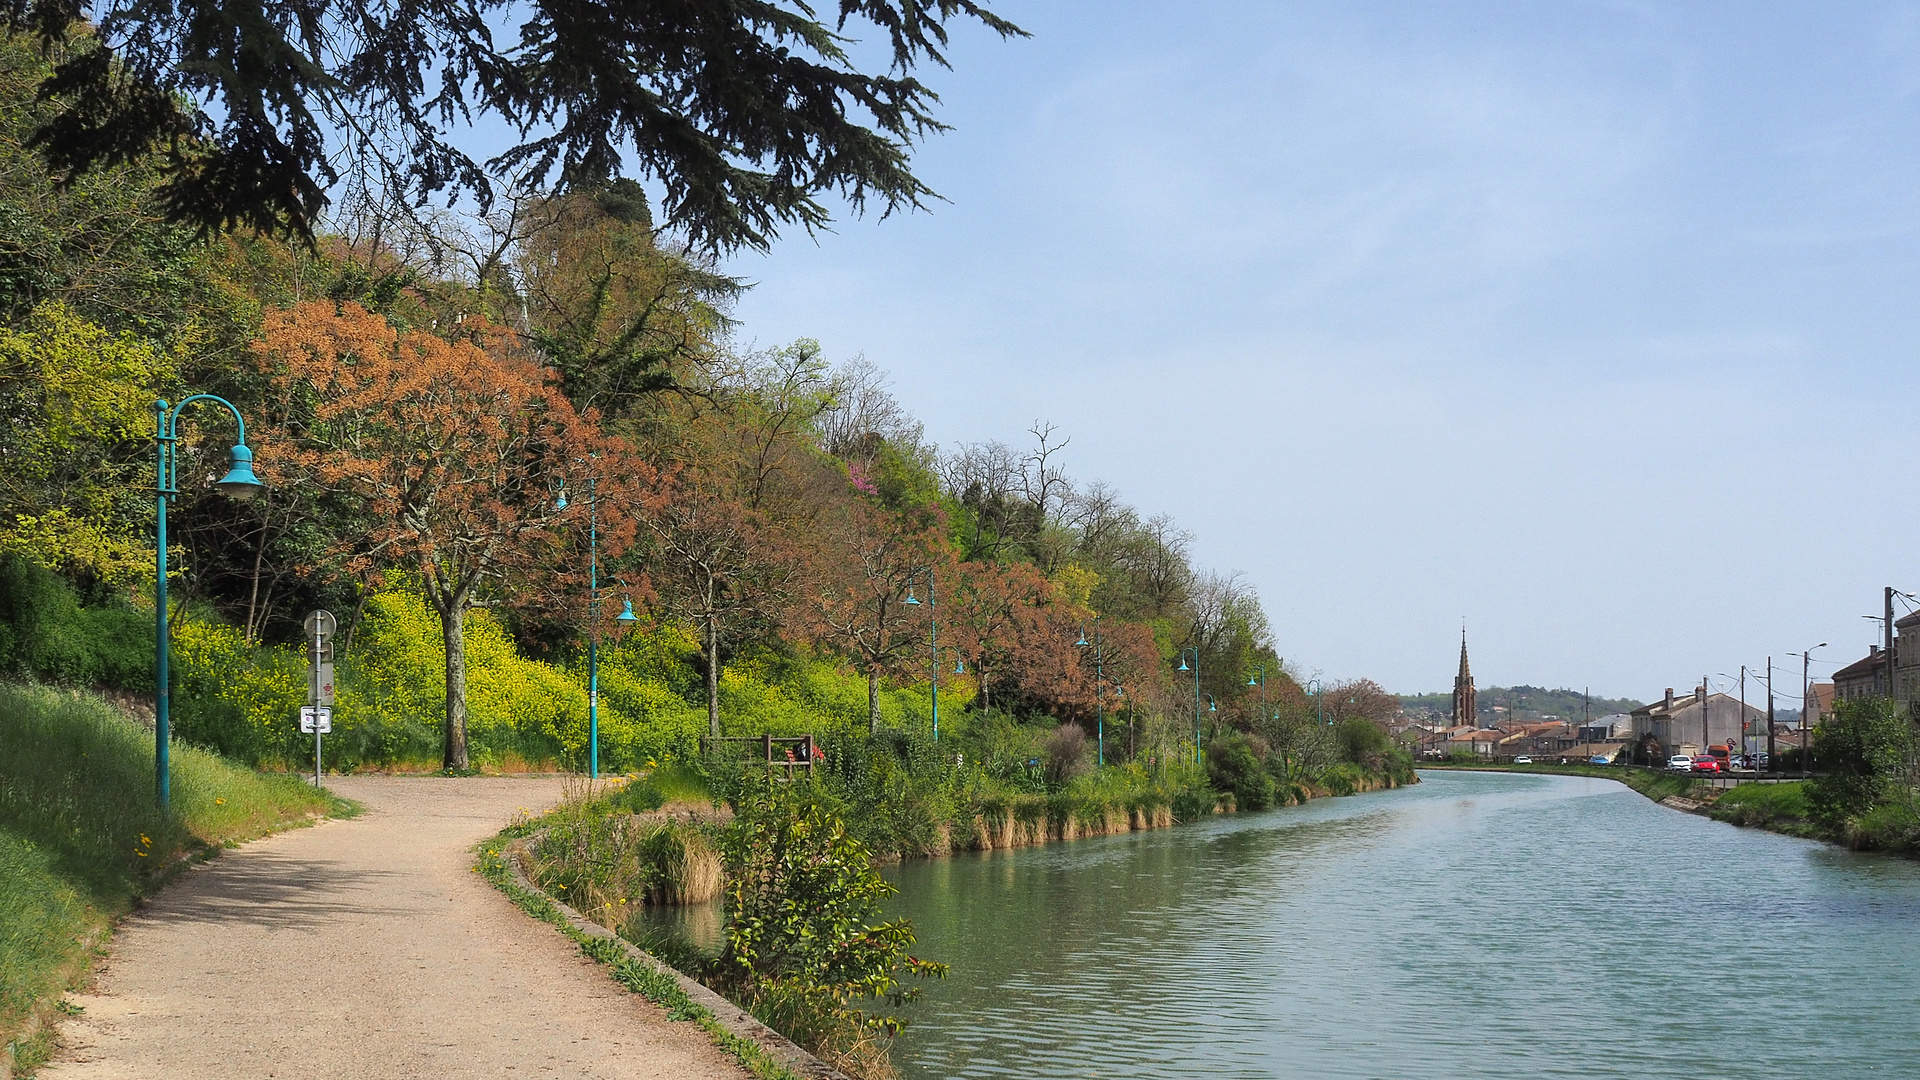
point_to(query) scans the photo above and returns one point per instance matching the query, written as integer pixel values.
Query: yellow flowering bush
(240, 699)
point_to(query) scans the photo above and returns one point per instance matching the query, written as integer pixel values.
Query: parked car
(1680, 763)
(1599, 759)
(1523, 760)
(1707, 763)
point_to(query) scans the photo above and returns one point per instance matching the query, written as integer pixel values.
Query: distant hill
(1496, 703)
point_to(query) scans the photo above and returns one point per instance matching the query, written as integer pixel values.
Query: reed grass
(606, 860)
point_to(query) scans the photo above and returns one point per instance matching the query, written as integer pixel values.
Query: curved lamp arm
(239, 482)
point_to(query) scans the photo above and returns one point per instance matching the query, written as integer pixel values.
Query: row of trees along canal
(423, 388)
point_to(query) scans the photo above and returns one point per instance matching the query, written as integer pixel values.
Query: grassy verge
(650, 983)
(1655, 784)
(81, 840)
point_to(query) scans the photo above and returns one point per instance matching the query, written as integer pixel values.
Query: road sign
(316, 720)
(320, 624)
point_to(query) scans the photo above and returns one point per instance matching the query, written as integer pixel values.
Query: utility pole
(1701, 695)
(1746, 725)
(1773, 762)
(1806, 733)
(1886, 649)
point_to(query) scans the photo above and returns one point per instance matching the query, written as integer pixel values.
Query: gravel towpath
(367, 949)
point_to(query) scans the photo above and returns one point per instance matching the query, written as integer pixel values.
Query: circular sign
(320, 624)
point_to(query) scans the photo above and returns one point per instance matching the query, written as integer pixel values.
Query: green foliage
(1362, 742)
(1866, 752)
(46, 633)
(81, 835)
(805, 942)
(1233, 766)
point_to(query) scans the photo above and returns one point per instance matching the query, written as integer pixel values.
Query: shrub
(1066, 755)
(804, 942)
(1233, 766)
(1864, 751)
(1363, 742)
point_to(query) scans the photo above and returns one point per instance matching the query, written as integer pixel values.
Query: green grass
(81, 837)
(1777, 807)
(1655, 784)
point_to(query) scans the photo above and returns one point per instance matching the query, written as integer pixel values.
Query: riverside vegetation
(797, 941)
(82, 841)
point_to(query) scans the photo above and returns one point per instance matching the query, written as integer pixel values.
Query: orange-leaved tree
(867, 560)
(991, 608)
(456, 449)
(720, 564)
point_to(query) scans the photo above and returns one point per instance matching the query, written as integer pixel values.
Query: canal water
(1474, 925)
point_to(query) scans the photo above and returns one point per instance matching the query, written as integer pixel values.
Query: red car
(1707, 763)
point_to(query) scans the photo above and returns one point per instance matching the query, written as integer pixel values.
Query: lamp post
(1806, 732)
(1319, 713)
(933, 618)
(1099, 703)
(1195, 650)
(593, 621)
(240, 483)
(1259, 678)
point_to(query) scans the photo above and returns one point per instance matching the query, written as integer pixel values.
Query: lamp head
(912, 599)
(959, 666)
(1253, 680)
(1183, 662)
(240, 483)
(626, 614)
(1083, 638)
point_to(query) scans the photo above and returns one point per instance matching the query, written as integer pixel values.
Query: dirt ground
(367, 949)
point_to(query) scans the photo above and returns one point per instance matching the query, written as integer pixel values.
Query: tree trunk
(713, 679)
(873, 700)
(452, 617)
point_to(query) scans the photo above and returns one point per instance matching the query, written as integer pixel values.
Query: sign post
(317, 717)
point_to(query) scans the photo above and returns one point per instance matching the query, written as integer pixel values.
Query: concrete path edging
(730, 1016)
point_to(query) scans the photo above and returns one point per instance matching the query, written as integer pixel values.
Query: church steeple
(1466, 709)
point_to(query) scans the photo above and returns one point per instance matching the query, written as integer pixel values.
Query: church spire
(1466, 707)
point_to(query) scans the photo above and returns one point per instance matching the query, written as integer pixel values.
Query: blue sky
(1593, 323)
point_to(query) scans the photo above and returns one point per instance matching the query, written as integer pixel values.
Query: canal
(1474, 925)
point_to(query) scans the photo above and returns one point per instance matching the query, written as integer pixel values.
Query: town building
(1819, 704)
(1690, 724)
(1612, 728)
(1865, 677)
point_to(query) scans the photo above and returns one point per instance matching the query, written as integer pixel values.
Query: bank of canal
(1474, 925)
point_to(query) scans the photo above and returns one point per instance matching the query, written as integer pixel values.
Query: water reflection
(1474, 925)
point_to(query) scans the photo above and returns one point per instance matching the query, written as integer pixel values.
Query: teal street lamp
(1259, 678)
(593, 620)
(1099, 674)
(1314, 688)
(925, 573)
(238, 483)
(1195, 650)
